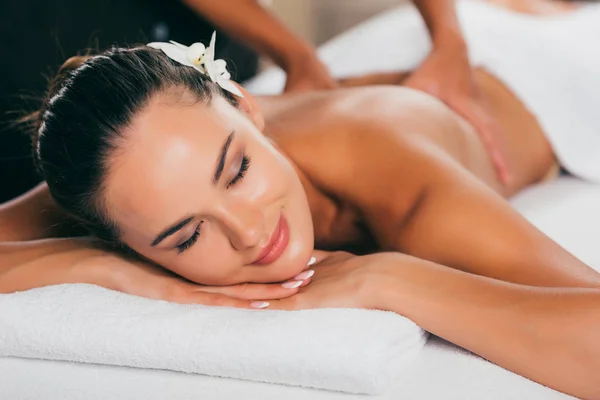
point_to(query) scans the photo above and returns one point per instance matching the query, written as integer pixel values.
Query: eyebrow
(222, 158)
(218, 172)
(171, 230)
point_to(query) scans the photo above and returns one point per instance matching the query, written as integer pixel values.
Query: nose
(244, 224)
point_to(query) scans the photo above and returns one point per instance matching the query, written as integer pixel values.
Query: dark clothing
(37, 36)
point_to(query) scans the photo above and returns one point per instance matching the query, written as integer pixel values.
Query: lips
(277, 243)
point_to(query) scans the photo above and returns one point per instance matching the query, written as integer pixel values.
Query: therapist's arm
(442, 22)
(255, 26)
(447, 74)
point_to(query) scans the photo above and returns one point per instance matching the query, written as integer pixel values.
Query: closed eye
(244, 166)
(191, 241)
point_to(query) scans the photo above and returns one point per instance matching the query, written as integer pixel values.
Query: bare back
(315, 129)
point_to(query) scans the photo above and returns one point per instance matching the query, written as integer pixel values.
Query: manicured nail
(292, 285)
(305, 275)
(259, 304)
(312, 261)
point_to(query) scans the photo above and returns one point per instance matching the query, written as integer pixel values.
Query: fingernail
(305, 275)
(312, 261)
(292, 285)
(259, 304)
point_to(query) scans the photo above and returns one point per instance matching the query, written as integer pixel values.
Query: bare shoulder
(367, 148)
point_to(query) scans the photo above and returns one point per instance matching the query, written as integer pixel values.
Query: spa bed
(565, 209)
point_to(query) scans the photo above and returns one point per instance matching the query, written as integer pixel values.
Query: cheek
(208, 263)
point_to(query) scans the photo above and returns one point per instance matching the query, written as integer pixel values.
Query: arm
(442, 22)
(447, 74)
(31, 216)
(549, 335)
(252, 24)
(34, 264)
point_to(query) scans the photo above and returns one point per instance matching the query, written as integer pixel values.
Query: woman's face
(199, 190)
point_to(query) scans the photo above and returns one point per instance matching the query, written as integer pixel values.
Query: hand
(341, 280)
(447, 75)
(308, 73)
(82, 260)
(147, 280)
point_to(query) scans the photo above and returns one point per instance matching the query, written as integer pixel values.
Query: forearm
(32, 264)
(549, 335)
(256, 27)
(31, 216)
(441, 20)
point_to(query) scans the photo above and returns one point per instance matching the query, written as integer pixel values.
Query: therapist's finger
(489, 133)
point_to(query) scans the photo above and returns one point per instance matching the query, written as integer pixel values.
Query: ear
(249, 106)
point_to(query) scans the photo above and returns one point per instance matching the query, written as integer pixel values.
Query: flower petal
(220, 66)
(195, 53)
(181, 46)
(174, 52)
(209, 58)
(230, 87)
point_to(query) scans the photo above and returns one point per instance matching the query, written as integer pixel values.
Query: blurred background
(319, 20)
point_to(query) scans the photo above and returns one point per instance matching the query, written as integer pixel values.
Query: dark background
(36, 37)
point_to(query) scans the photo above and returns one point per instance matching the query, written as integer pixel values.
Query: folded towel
(350, 350)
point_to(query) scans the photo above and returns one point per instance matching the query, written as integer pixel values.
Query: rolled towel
(349, 350)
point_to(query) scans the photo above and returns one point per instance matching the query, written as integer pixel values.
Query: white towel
(350, 350)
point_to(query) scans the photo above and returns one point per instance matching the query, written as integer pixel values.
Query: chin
(296, 258)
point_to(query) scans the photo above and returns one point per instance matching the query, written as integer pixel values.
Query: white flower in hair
(202, 59)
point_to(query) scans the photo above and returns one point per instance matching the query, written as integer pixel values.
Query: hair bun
(65, 69)
(72, 64)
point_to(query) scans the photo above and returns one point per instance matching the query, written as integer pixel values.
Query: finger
(289, 304)
(252, 291)
(476, 117)
(306, 282)
(498, 159)
(209, 299)
(501, 166)
(489, 136)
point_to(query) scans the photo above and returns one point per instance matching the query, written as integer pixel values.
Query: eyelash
(240, 175)
(191, 241)
(242, 172)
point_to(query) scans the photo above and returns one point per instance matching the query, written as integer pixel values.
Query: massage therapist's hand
(447, 74)
(306, 72)
(340, 280)
(29, 265)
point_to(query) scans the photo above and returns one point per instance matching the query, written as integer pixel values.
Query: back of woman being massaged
(177, 165)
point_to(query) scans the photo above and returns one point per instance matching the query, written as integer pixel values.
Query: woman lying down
(221, 198)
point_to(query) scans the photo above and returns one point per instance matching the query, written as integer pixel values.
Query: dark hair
(87, 107)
